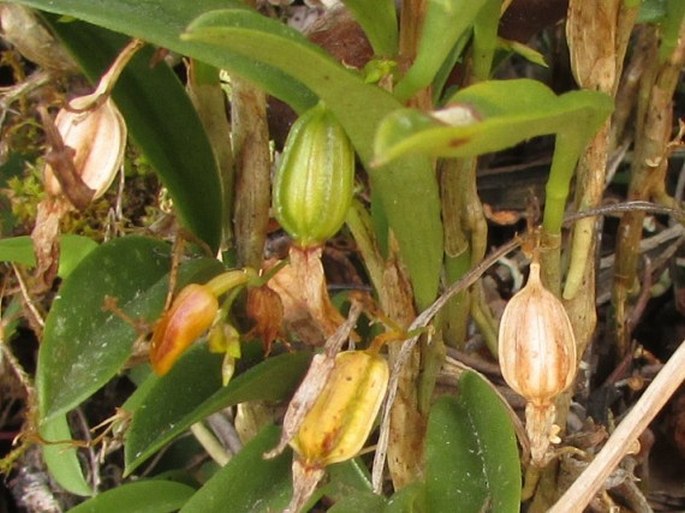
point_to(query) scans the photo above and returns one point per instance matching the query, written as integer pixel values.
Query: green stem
(224, 282)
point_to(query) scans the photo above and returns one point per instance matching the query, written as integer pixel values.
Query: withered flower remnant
(537, 355)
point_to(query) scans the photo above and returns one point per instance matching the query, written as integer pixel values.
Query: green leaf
(359, 107)
(73, 248)
(472, 461)
(493, 115)
(161, 120)
(485, 38)
(61, 459)
(446, 21)
(192, 391)
(248, 483)
(346, 478)
(409, 499)
(84, 344)
(160, 22)
(367, 502)
(148, 496)
(379, 21)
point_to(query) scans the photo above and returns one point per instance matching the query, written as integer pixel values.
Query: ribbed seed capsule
(339, 422)
(313, 185)
(537, 355)
(191, 314)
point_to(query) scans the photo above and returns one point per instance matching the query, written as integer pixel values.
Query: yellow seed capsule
(537, 355)
(191, 314)
(339, 422)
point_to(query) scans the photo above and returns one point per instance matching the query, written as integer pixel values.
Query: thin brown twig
(36, 319)
(581, 492)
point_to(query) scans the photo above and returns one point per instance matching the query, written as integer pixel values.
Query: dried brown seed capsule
(97, 136)
(537, 355)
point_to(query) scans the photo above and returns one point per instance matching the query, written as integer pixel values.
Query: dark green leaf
(161, 120)
(248, 483)
(472, 462)
(193, 391)
(61, 459)
(409, 499)
(85, 344)
(357, 502)
(346, 478)
(149, 496)
(160, 22)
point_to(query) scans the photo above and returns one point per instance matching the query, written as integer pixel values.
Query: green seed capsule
(313, 184)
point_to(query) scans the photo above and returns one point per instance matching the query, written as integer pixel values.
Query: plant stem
(654, 125)
(253, 171)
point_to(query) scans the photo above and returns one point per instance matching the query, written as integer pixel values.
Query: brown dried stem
(653, 133)
(253, 171)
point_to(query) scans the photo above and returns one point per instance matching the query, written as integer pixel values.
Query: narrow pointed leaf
(248, 483)
(492, 116)
(148, 496)
(446, 21)
(192, 391)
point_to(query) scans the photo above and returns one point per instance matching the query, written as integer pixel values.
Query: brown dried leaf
(307, 308)
(265, 310)
(45, 243)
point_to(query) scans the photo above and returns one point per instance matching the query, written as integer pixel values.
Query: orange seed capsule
(192, 313)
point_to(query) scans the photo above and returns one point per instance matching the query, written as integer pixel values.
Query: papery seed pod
(191, 314)
(537, 349)
(340, 420)
(537, 355)
(313, 184)
(98, 137)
